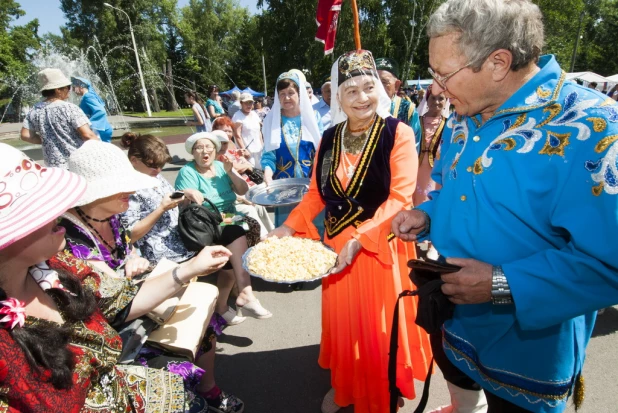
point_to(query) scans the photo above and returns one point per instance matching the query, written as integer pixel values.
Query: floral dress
(163, 240)
(99, 383)
(82, 245)
(57, 123)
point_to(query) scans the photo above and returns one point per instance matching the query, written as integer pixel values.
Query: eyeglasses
(152, 165)
(204, 148)
(441, 80)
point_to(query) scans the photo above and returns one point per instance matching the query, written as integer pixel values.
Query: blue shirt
(533, 189)
(324, 110)
(94, 107)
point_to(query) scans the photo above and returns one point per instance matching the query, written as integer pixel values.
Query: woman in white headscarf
(292, 131)
(364, 174)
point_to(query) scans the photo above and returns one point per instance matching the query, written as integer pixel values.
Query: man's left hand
(471, 284)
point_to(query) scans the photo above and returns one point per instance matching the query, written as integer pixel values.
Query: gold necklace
(356, 147)
(354, 144)
(363, 128)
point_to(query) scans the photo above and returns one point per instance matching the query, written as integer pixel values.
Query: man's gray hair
(488, 25)
(235, 95)
(327, 83)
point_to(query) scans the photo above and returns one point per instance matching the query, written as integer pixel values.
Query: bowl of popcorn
(289, 260)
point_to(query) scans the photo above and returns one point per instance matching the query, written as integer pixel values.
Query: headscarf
(347, 66)
(271, 130)
(423, 107)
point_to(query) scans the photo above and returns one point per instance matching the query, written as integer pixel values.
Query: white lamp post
(139, 67)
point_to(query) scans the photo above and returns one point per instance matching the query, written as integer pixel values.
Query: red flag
(327, 18)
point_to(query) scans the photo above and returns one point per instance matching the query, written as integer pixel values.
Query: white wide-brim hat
(190, 142)
(221, 135)
(31, 195)
(50, 79)
(107, 170)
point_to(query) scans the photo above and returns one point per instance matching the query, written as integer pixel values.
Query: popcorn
(290, 259)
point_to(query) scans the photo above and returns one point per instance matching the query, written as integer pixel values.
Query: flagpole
(357, 39)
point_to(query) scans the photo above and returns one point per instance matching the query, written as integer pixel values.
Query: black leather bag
(434, 308)
(199, 226)
(256, 176)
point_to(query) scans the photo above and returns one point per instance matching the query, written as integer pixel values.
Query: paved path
(272, 364)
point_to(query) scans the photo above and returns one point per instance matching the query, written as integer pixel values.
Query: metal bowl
(281, 192)
(245, 265)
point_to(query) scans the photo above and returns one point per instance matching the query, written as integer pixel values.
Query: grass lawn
(163, 114)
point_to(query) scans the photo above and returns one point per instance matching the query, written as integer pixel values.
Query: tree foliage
(219, 42)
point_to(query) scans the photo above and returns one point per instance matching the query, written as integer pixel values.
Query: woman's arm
(30, 136)
(238, 135)
(239, 185)
(141, 228)
(156, 290)
(86, 133)
(211, 112)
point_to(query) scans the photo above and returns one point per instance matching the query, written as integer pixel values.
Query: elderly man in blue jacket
(528, 206)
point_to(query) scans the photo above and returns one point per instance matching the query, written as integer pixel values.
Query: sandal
(232, 318)
(254, 309)
(226, 403)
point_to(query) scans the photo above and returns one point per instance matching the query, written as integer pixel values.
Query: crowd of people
(503, 170)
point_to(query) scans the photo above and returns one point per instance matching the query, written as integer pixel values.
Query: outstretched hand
(347, 255)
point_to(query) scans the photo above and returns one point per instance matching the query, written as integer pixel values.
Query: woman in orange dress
(363, 176)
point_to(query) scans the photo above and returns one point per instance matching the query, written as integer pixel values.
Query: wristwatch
(175, 277)
(500, 290)
(427, 226)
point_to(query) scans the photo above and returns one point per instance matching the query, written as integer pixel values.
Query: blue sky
(51, 18)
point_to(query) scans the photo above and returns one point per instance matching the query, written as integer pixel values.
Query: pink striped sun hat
(32, 195)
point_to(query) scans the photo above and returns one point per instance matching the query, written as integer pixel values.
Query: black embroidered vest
(368, 188)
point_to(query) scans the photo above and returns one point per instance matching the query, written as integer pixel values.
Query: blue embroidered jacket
(534, 189)
(405, 111)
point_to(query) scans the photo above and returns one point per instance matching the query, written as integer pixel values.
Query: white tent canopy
(590, 77)
(613, 79)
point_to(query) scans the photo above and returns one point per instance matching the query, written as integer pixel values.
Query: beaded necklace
(81, 211)
(85, 220)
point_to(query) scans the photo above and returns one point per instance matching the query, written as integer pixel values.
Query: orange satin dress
(358, 303)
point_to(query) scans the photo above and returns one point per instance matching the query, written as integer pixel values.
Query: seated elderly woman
(58, 350)
(219, 183)
(95, 234)
(152, 216)
(239, 158)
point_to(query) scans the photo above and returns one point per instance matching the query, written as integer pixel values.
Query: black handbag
(199, 226)
(256, 176)
(434, 308)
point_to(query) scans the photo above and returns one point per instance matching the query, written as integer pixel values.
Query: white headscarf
(337, 113)
(423, 107)
(271, 129)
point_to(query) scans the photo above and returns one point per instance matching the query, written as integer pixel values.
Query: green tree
(17, 47)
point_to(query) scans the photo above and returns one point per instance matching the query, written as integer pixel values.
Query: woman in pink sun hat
(57, 347)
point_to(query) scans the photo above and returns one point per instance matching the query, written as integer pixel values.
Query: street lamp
(139, 67)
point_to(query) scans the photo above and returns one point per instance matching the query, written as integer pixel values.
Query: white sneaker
(232, 318)
(328, 404)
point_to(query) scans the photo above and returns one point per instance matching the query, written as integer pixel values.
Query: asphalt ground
(272, 364)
